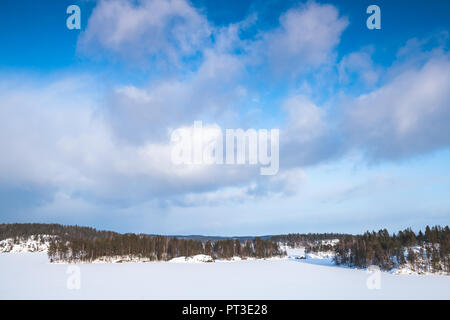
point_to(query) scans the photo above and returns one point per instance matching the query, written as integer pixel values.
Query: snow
(317, 258)
(330, 242)
(114, 259)
(35, 243)
(320, 255)
(200, 258)
(408, 269)
(320, 258)
(31, 276)
(423, 263)
(294, 252)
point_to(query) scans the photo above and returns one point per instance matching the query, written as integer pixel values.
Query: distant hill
(85, 244)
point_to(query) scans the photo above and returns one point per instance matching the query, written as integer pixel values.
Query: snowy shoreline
(317, 259)
(40, 244)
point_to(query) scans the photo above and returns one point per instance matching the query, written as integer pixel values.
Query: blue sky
(86, 115)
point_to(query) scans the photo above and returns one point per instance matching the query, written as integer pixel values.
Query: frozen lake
(31, 276)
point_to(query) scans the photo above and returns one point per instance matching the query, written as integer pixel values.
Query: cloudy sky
(86, 115)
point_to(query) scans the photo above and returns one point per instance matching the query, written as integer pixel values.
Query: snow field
(31, 276)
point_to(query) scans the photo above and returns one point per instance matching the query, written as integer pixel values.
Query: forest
(295, 240)
(83, 244)
(427, 251)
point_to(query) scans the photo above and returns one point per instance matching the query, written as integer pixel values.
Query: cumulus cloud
(145, 113)
(308, 136)
(169, 31)
(165, 29)
(359, 66)
(306, 119)
(305, 39)
(81, 145)
(67, 147)
(407, 116)
(286, 183)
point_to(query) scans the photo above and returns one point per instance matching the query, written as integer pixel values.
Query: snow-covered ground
(317, 258)
(31, 276)
(35, 243)
(200, 258)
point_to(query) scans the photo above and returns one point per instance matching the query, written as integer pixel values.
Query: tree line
(427, 251)
(301, 240)
(83, 244)
(25, 230)
(157, 248)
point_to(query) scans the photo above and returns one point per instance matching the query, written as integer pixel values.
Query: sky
(86, 116)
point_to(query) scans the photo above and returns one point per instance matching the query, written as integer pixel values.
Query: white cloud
(407, 116)
(306, 119)
(358, 66)
(309, 135)
(213, 91)
(168, 29)
(285, 183)
(305, 39)
(54, 137)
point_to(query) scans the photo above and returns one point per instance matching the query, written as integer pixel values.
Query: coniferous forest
(295, 240)
(83, 244)
(427, 251)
